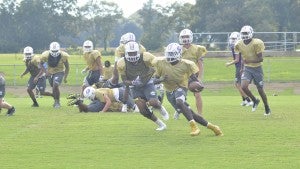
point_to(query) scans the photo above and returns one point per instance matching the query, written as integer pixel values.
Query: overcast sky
(131, 6)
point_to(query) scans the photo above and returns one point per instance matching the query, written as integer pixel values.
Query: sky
(131, 6)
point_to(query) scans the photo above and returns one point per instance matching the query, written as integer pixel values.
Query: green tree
(100, 18)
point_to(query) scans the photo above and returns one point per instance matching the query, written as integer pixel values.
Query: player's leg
(31, 86)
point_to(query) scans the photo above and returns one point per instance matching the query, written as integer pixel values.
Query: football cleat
(215, 129)
(10, 111)
(195, 130)
(161, 127)
(267, 112)
(255, 104)
(73, 96)
(74, 102)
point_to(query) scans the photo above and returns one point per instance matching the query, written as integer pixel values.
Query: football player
(94, 65)
(136, 72)
(108, 70)
(251, 50)
(237, 61)
(120, 52)
(57, 71)
(103, 100)
(3, 104)
(194, 53)
(175, 73)
(32, 63)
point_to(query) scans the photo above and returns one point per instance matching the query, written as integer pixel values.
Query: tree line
(38, 22)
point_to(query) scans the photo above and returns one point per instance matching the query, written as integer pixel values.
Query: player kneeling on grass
(3, 104)
(174, 73)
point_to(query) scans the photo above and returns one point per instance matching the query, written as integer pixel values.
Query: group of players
(145, 78)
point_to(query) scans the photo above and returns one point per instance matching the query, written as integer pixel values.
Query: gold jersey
(193, 53)
(90, 58)
(99, 94)
(143, 68)
(249, 52)
(177, 75)
(33, 65)
(60, 66)
(107, 72)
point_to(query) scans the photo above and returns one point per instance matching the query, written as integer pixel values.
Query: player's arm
(236, 60)
(25, 72)
(99, 65)
(107, 103)
(67, 69)
(200, 67)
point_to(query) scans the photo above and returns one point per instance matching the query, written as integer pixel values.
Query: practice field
(63, 138)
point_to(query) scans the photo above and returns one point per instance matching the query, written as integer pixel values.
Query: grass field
(47, 138)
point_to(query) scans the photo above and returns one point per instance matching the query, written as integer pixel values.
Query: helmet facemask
(54, 49)
(132, 52)
(173, 52)
(88, 46)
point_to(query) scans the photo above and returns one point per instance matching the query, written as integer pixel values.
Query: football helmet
(54, 49)
(123, 39)
(185, 37)
(129, 37)
(28, 53)
(89, 93)
(234, 37)
(173, 52)
(87, 46)
(132, 52)
(246, 32)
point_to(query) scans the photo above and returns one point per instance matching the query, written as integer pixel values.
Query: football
(196, 86)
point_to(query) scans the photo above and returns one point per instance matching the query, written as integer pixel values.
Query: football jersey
(194, 52)
(143, 68)
(90, 58)
(178, 75)
(107, 72)
(99, 94)
(249, 52)
(33, 65)
(60, 67)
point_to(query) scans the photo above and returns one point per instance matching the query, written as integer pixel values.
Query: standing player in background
(176, 73)
(58, 69)
(237, 61)
(193, 53)
(107, 70)
(136, 70)
(94, 64)
(3, 104)
(251, 50)
(32, 63)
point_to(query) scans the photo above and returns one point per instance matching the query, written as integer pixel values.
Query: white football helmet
(234, 37)
(54, 49)
(132, 52)
(129, 37)
(28, 53)
(87, 46)
(122, 39)
(185, 37)
(246, 32)
(89, 93)
(173, 52)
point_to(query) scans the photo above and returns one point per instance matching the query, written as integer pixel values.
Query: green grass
(66, 139)
(276, 69)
